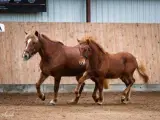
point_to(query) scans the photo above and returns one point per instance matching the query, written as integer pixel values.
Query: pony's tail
(141, 70)
(106, 84)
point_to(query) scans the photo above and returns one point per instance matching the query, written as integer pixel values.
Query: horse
(57, 60)
(104, 65)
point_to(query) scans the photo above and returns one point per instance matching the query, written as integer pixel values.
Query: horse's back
(116, 65)
(123, 55)
(129, 61)
(128, 57)
(122, 62)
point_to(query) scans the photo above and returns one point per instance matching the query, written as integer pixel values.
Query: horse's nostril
(26, 56)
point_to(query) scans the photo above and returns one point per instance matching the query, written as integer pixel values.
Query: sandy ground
(144, 106)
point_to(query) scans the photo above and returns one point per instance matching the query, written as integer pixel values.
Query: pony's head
(32, 45)
(85, 51)
(84, 48)
(88, 46)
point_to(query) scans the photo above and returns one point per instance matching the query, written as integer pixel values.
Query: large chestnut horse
(57, 60)
(104, 65)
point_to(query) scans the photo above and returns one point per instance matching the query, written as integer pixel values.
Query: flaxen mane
(90, 39)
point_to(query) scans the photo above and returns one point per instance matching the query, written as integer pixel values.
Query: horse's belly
(72, 72)
(68, 72)
(113, 75)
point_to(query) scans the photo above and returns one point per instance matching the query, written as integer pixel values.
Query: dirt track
(144, 106)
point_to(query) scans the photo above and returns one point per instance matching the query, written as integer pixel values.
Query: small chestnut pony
(102, 65)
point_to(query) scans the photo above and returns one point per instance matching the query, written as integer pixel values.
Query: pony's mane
(92, 40)
(45, 37)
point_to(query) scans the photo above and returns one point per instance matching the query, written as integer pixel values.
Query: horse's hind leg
(56, 88)
(125, 80)
(76, 99)
(129, 92)
(129, 82)
(128, 95)
(38, 84)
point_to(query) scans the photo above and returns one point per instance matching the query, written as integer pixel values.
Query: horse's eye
(34, 43)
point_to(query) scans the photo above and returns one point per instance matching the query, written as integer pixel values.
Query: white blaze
(29, 40)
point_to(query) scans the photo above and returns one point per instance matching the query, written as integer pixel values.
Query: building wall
(112, 11)
(133, 38)
(126, 11)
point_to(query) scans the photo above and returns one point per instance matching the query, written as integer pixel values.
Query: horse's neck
(95, 59)
(48, 48)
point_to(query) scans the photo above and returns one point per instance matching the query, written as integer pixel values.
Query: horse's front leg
(100, 87)
(56, 88)
(80, 83)
(94, 95)
(38, 84)
(76, 99)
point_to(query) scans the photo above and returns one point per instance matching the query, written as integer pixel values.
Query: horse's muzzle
(26, 56)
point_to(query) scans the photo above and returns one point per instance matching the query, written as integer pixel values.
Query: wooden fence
(142, 40)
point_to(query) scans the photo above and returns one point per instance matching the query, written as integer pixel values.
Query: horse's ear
(88, 41)
(25, 32)
(36, 33)
(78, 40)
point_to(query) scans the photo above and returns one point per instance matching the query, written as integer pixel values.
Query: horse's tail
(141, 70)
(106, 84)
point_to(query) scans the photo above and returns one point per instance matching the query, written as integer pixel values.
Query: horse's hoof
(123, 99)
(128, 101)
(43, 97)
(52, 102)
(73, 102)
(95, 98)
(125, 102)
(99, 103)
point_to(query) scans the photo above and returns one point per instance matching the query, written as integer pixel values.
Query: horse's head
(84, 49)
(32, 45)
(88, 47)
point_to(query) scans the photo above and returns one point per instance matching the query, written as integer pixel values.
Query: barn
(118, 25)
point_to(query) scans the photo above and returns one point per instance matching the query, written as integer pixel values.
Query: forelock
(87, 39)
(31, 36)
